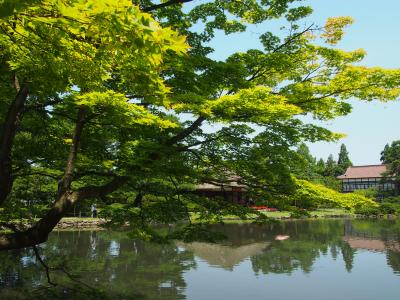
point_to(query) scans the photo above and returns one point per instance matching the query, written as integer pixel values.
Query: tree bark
(65, 182)
(164, 4)
(186, 132)
(138, 200)
(65, 199)
(40, 231)
(8, 132)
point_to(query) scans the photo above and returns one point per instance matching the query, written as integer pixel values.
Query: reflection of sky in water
(327, 280)
(113, 250)
(27, 260)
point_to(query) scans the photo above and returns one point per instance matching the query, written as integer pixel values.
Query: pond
(310, 259)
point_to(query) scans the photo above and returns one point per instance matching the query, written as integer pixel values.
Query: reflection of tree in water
(308, 241)
(116, 266)
(121, 268)
(348, 255)
(375, 235)
(393, 260)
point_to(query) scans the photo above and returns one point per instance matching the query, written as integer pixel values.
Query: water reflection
(120, 268)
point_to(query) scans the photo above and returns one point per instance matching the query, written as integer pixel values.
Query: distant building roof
(370, 171)
(219, 186)
(229, 183)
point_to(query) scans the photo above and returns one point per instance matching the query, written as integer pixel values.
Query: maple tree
(111, 101)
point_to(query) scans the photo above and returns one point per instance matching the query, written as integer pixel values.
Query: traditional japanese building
(231, 190)
(365, 177)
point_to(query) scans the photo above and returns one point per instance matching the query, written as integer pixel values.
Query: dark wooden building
(365, 177)
(231, 191)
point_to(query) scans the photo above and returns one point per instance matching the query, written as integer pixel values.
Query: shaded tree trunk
(138, 200)
(39, 232)
(65, 200)
(7, 137)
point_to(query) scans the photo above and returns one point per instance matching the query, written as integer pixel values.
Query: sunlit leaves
(318, 195)
(117, 109)
(334, 29)
(256, 105)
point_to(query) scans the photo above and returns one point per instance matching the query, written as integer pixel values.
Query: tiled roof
(364, 172)
(232, 181)
(219, 186)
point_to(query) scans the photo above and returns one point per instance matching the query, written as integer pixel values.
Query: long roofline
(377, 165)
(350, 175)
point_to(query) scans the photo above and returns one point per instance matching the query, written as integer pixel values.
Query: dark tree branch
(186, 132)
(165, 4)
(39, 232)
(48, 269)
(94, 173)
(261, 71)
(65, 182)
(45, 266)
(55, 177)
(8, 132)
(292, 38)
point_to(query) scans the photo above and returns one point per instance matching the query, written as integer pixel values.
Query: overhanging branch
(165, 4)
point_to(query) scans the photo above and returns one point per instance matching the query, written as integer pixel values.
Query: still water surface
(321, 259)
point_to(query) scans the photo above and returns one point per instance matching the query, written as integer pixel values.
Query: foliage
(367, 211)
(389, 208)
(331, 167)
(298, 213)
(343, 160)
(370, 193)
(307, 167)
(390, 156)
(310, 195)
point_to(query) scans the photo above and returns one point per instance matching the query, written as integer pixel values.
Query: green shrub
(393, 199)
(311, 195)
(298, 213)
(367, 211)
(388, 208)
(370, 193)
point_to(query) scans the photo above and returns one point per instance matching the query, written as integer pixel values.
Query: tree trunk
(138, 200)
(64, 201)
(65, 182)
(39, 232)
(8, 132)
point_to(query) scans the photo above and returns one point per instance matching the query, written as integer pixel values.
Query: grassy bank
(282, 215)
(73, 222)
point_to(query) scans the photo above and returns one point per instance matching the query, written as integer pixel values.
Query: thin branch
(186, 132)
(45, 266)
(292, 38)
(94, 173)
(165, 4)
(55, 177)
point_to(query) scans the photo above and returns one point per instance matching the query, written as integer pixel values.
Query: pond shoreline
(97, 223)
(91, 223)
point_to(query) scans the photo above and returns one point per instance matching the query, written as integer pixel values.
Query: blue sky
(376, 29)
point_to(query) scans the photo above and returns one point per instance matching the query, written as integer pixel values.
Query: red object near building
(263, 207)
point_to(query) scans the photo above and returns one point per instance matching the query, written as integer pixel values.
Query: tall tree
(306, 164)
(331, 167)
(320, 166)
(343, 160)
(390, 156)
